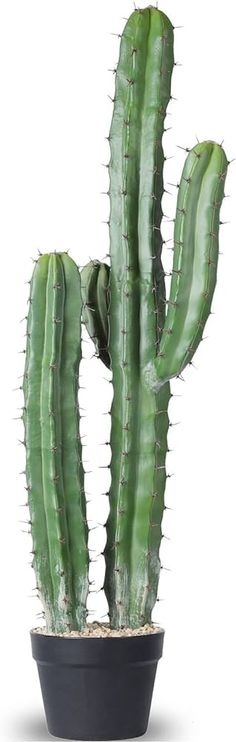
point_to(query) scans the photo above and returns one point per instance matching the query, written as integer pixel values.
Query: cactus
(147, 349)
(124, 310)
(53, 450)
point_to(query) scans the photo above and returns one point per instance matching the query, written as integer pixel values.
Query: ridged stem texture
(146, 346)
(137, 294)
(144, 338)
(53, 450)
(196, 251)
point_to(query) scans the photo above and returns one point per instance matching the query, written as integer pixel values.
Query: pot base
(97, 689)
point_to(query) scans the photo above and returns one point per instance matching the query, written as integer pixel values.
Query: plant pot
(97, 689)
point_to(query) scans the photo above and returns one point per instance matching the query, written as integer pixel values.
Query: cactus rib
(73, 475)
(31, 416)
(54, 474)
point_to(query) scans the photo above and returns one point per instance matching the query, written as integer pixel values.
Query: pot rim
(97, 651)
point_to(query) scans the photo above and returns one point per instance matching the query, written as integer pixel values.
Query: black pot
(97, 689)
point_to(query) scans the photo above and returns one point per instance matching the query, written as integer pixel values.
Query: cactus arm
(95, 278)
(31, 416)
(50, 418)
(73, 475)
(196, 248)
(146, 45)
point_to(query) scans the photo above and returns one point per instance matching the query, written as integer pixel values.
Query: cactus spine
(146, 349)
(124, 310)
(53, 463)
(196, 250)
(136, 312)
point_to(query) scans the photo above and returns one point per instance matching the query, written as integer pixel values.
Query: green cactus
(124, 310)
(53, 450)
(146, 349)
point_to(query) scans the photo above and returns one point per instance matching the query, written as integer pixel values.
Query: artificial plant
(144, 338)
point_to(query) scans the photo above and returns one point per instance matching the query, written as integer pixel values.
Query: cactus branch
(196, 250)
(54, 472)
(95, 295)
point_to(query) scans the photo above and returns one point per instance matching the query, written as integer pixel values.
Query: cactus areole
(145, 339)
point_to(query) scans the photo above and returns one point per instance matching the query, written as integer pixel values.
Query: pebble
(102, 631)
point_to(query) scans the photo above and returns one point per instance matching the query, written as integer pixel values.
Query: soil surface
(103, 631)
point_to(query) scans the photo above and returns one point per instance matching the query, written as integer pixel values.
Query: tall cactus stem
(53, 468)
(142, 93)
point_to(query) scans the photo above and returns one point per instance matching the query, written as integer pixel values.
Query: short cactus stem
(95, 295)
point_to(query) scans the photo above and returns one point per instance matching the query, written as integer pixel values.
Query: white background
(55, 113)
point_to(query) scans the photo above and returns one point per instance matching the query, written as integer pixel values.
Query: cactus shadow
(32, 728)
